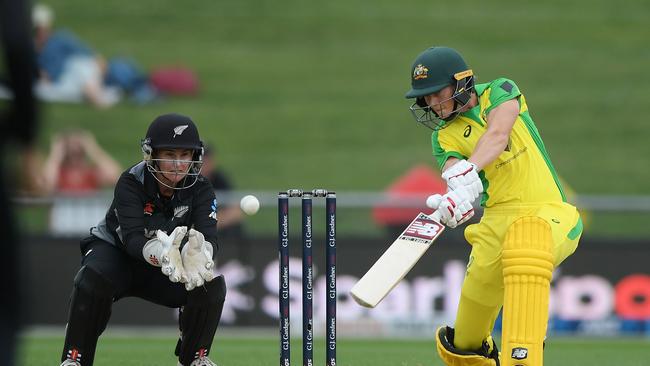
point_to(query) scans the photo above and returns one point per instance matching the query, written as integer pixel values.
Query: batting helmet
(433, 70)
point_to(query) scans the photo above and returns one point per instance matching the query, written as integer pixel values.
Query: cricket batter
(489, 149)
(156, 243)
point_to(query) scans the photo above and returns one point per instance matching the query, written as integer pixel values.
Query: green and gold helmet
(433, 70)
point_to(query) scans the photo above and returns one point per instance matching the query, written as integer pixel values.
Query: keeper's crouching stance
(157, 242)
(490, 152)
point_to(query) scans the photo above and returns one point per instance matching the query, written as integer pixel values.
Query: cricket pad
(199, 319)
(527, 271)
(90, 310)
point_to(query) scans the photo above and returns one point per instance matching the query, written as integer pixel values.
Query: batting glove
(164, 252)
(455, 207)
(464, 174)
(197, 260)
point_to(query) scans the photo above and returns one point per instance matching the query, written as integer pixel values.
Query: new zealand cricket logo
(420, 72)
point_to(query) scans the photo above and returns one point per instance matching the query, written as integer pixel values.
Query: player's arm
(202, 218)
(161, 251)
(129, 211)
(451, 161)
(462, 177)
(494, 141)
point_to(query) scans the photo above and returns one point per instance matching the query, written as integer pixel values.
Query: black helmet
(173, 131)
(432, 70)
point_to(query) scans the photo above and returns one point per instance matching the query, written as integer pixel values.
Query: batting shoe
(201, 361)
(70, 362)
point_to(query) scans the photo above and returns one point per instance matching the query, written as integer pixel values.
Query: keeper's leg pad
(487, 355)
(527, 271)
(90, 309)
(199, 319)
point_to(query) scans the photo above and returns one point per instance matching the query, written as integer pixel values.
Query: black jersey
(138, 210)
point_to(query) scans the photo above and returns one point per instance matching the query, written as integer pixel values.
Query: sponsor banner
(603, 288)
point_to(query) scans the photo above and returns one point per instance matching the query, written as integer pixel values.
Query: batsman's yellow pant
(551, 228)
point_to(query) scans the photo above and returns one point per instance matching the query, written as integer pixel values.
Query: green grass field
(311, 94)
(154, 351)
(304, 94)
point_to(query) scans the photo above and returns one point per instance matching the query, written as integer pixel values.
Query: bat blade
(397, 260)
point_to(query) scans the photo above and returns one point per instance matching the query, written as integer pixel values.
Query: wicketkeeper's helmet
(434, 69)
(173, 131)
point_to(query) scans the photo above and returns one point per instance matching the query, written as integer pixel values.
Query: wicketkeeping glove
(197, 260)
(464, 174)
(164, 252)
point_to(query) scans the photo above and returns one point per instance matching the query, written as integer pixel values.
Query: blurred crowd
(71, 71)
(68, 70)
(78, 169)
(75, 165)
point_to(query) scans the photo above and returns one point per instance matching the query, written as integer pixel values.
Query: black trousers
(131, 277)
(109, 274)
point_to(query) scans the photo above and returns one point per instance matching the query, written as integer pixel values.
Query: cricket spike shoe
(201, 361)
(70, 362)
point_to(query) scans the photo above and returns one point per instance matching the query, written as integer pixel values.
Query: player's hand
(464, 174)
(455, 207)
(434, 201)
(171, 262)
(197, 260)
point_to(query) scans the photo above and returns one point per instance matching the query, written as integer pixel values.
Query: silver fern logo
(179, 130)
(180, 211)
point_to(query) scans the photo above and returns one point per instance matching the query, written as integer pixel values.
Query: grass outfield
(310, 94)
(263, 352)
(299, 93)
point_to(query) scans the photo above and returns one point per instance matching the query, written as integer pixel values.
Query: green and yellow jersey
(523, 173)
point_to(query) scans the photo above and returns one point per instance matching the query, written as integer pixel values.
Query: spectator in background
(70, 71)
(230, 216)
(77, 165)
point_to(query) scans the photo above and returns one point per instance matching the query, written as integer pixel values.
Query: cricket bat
(397, 260)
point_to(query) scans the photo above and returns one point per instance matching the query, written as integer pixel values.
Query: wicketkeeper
(490, 152)
(157, 243)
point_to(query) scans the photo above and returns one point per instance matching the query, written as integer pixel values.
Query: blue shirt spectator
(58, 48)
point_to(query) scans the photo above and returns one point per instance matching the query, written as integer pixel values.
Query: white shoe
(70, 362)
(201, 361)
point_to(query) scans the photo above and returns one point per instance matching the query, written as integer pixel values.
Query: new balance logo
(519, 353)
(423, 229)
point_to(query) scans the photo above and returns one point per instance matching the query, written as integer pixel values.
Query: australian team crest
(420, 72)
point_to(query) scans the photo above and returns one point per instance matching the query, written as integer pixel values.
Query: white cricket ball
(249, 204)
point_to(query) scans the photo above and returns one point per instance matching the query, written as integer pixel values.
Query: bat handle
(435, 215)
